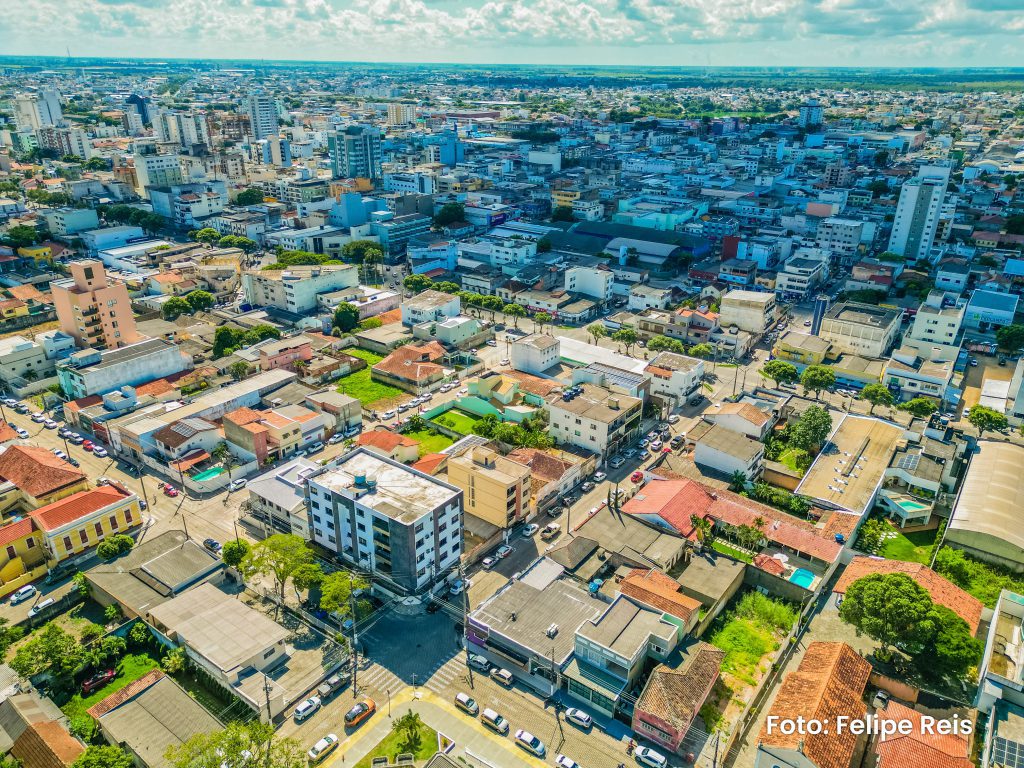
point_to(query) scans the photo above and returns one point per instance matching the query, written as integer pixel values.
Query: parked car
(673, 419)
(488, 562)
(213, 545)
(22, 594)
(388, 415)
(100, 452)
(636, 477)
(39, 418)
(331, 686)
(50, 424)
(87, 445)
(655, 446)
(677, 441)
(644, 442)
(599, 476)
(530, 529)
(494, 721)
(617, 462)
(360, 712)
(306, 708)
(504, 551)
(170, 491)
(404, 407)
(237, 485)
(22, 433)
(426, 397)
(466, 703)
(39, 607)
(696, 400)
(530, 743)
(60, 454)
(336, 438)
(97, 681)
(502, 676)
(476, 661)
(457, 588)
(492, 343)
(566, 762)
(317, 446)
(578, 717)
(649, 757)
(322, 749)
(550, 531)
(588, 487)
(76, 439)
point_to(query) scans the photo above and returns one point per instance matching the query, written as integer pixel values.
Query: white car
(22, 433)
(307, 708)
(599, 476)
(60, 454)
(38, 418)
(50, 424)
(237, 485)
(458, 587)
(578, 717)
(75, 439)
(505, 361)
(322, 748)
(388, 415)
(530, 529)
(655, 446)
(406, 406)
(488, 562)
(647, 756)
(530, 743)
(100, 452)
(23, 594)
(566, 762)
(504, 551)
(335, 438)
(673, 419)
(426, 397)
(464, 391)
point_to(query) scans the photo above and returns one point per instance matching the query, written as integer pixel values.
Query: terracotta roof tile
(659, 591)
(47, 744)
(12, 532)
(242, 416)
(919, 748)
(7, 432)
(675, 695)
(36, 471)
(385, 440)
(114, 700)
(413, 362)
(76, 506)
(828, 683)
(430, 463)
(942, 590)
(769, 564)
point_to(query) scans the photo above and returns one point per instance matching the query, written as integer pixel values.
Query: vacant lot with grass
(430, 442)
(370, 393)
(457, 420)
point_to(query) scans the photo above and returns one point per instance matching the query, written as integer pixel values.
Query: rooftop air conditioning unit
(552, 630)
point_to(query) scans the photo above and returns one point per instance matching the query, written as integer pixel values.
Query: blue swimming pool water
(802, 578)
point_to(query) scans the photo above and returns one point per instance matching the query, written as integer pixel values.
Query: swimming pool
(209, 474)
(802, 578)
(909, 505)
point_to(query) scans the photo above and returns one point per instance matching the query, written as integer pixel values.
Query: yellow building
(495, 489)
(33, 477)
(22, 557)
(12, 308)
(79, 522)
(37, 252)
(802, 348)
(564, 197)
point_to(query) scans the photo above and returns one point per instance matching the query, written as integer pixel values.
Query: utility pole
(270, 719)
(465, 620)
(355, 652)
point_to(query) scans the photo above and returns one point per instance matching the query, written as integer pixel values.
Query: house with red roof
(22, 557)
(31, 477)
(390, 444)
(921, 745)
(79, 522)
(411, 367)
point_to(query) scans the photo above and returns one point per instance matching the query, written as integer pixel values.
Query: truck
(331, 686)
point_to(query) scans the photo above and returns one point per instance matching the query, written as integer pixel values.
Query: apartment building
(156, 171)
(91, 372)
(535, 353)
(589, 281)
(918, 212)
(495, 489)
(675, 377)
(401, 525)
(262, 112)
(430, 306)
(751, 311)
(96, 311)
(595, 419)
(843, 237)
(70, 221)
(296, 289)
(861, 329)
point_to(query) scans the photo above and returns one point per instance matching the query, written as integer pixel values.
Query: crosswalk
(442, 677)
(378, 679)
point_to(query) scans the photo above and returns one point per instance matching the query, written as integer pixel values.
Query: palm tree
(408, 725)
(703, 528)
(739, 481)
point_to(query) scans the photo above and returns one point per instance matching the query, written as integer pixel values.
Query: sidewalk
(478, 745)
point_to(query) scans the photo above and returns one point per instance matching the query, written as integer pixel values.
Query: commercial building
(843, 237)
(75, 524)
(751, 311)
(356, 152)
(595, 420)
(590, 281)
(296, 289)
(395, 232)
(91, 372)
(32, 477)
(401, 525)
(535, 353)
(861, 329)
(262, 112)
(495, 489)
(156, 171)
(70, 221)
(430, 306)
(96, 311)
(674, 377)
(988, 310)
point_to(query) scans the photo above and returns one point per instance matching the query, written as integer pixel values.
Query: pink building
(285, 353)
(96, 312)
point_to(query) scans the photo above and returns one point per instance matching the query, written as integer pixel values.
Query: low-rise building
(32, 477)
(595, 420)
(430, 306)
(728, 452)
(535, 353)
(988, 310)
(861, 329)
(495, 489)
(92, 372)
(751, 311)
(76, 524)
(346, 411)
(277, 497)
(412, 367)
(744, 418)
(296, 289)
(674, 377)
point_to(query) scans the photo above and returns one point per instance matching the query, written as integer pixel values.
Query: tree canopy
(346, 317)
(103, 756)
(811, 429)
(174, 308)
(251, 196)
(279, 557)
(987, 419)
(922, 407)
(238, 744)
(449, 213)
(877, 394)
(562, 213)
(780, 372)
(1010, 337)
(815, 378)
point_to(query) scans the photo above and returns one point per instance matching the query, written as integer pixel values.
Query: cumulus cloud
(500, 30)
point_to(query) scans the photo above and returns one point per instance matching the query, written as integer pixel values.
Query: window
(83, 536)
(11, 551)
(128, 515)
(68, 546)
(99, 529)
(30, 543)
(268, 654)
(113, 522)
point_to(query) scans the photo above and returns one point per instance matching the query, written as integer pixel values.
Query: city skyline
(588, 32)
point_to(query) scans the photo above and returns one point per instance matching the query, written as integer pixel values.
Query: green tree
(872, 534)
(701, 351)
(450, 213)
(738, 481)
(238, 370)
(1010, 337)
(21, 236)
(238, 744)
(251, 196)
(543, 245)
(223, 342)
(597, 331)
(338, 591)
(815, 378)
(562, 213)
(986, 419)
(922, 407)
(356, 251)
(703, 528)
(542, 319)
(953, 651)
(891, 608)
(627, 336)
(277, 557)
(346, 317)
(1015, 224)
(408, 726)
(234, 552)
(113, 546)
(811, 429)
(889, 256)
(515, 312)
(417, 283)
(199, 300)
(50, 649)
(780, 372)
(207, 235)
(954, 565)
(447, 286)
(661, 343)
(174, 308)
(8, 636)
(103, 756)
(877, 394)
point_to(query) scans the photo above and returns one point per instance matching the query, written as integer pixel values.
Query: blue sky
(912, 33)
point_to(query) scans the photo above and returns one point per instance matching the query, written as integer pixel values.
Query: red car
(88, 445)
(171, 491)
(97, 681)
(637, 477)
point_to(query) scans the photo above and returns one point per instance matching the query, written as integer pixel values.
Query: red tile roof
(674, 501)
(385, 440)
(659, 591)
(36, 471)
(942, 590)
(829, 683)
(7, 432)
(114, 700)
(76, 506)
(83, 402)
(919, 748)
(47, 744)
(242, 416)
(430, 463)
(413, 362)
(769, 564)
(12, 532)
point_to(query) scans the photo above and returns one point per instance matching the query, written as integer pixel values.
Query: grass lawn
(429, 441)
(749, 633)
(725, 549)
(371, 358)
(796, 459)
(911, 547)
(360, 386)
(130, 669)
(457, 420)
(394, 744)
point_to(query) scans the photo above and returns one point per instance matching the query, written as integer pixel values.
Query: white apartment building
(918, 212)
(33, 111)
(861, 329)
(802, 273)
(401, 114)
(535, 353)
(842, 237)
(296, 289)
(402, 526)
(430, 306)
(262, 112)
(592, 282)
(70, 221)
(595, 420)
(751, 311)
(643, 297)
(185, 129)
(156, 171)
(675, 377)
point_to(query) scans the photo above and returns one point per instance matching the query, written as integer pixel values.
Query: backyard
(397, 742)
(430, 442)
(129, 669)
(360, 386)
(733, 552)
(913, 547)
(457, 420)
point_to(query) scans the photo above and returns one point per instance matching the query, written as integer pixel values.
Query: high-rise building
(186, 129)
(812, 114)
(141, 105)
(156, 171)
(401, 114)
(918, 212)
(262, 112)
(65, 141)
(96, 311)
(356, 152)
(33, 111)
